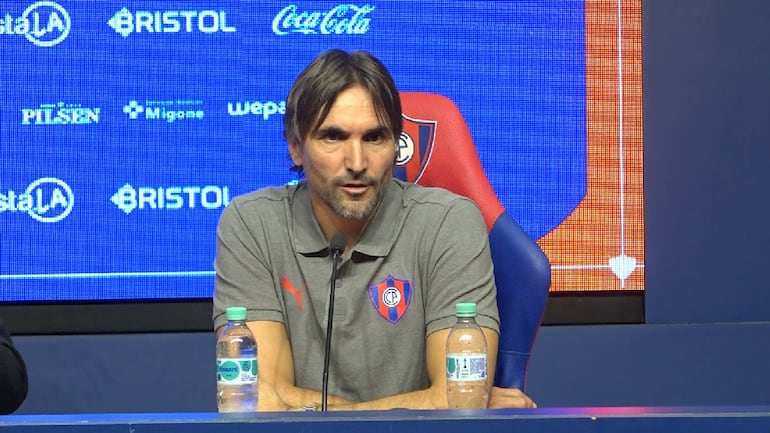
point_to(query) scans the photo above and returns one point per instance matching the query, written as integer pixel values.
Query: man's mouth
(354, 188)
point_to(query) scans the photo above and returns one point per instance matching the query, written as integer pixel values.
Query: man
(411, 253)
(13, 374)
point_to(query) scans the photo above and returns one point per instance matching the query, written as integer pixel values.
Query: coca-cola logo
(343, 19)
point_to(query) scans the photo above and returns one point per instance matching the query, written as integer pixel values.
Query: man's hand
(500, 398)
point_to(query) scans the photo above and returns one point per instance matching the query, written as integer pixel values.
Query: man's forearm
(300, 398)
(295, 398)
(423, 399)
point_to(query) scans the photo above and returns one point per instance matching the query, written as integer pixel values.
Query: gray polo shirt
(425, 250)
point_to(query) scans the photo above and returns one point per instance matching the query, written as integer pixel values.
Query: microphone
(336, 246)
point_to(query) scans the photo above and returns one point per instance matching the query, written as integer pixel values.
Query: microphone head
(337, 244)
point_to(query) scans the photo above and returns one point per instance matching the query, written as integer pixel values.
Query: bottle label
(466, 366)
(236, 371)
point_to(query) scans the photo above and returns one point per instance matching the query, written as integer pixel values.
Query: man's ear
(295, 152)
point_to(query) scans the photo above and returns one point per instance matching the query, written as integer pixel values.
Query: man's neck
(331, 224)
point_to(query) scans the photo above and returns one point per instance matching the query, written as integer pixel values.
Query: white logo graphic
(343, 19)
(264, 109)
(44, 23)
(391, 297)
(170, 111)
(47, 200)
(404, 149)
(208, 21)
(59, 113)
(128, 198)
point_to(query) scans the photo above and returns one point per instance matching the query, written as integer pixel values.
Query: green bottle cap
(236, 313)
(466, 309)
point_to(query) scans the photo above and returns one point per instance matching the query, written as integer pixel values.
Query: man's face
(349, 160)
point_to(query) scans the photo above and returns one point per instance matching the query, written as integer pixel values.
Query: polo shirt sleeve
(243, 273)
(460, 268)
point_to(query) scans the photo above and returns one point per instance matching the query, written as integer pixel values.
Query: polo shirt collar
(308, 237)
(378, 238)
(380, 233)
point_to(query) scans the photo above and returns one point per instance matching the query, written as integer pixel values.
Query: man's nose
(355, 156)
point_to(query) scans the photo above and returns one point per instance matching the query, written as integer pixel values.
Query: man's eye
(332, 136)
(374, 138)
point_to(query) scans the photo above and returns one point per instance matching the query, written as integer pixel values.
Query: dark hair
(320, 83)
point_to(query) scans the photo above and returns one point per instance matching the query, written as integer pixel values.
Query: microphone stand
(336, 246)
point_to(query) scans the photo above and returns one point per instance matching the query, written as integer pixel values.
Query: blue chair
(436, 149)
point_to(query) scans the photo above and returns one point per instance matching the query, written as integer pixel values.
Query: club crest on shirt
(390, 297)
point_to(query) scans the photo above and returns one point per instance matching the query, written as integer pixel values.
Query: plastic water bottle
(466, 362)
(237, 376)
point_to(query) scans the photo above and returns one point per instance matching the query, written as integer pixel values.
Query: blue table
(556, 420)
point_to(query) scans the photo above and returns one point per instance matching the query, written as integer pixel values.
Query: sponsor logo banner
(125, 22)
(343, 19)
(170, 111)
(129, 198)
(60, 113)
(47, 200)
(257, 108)
(44, 23)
